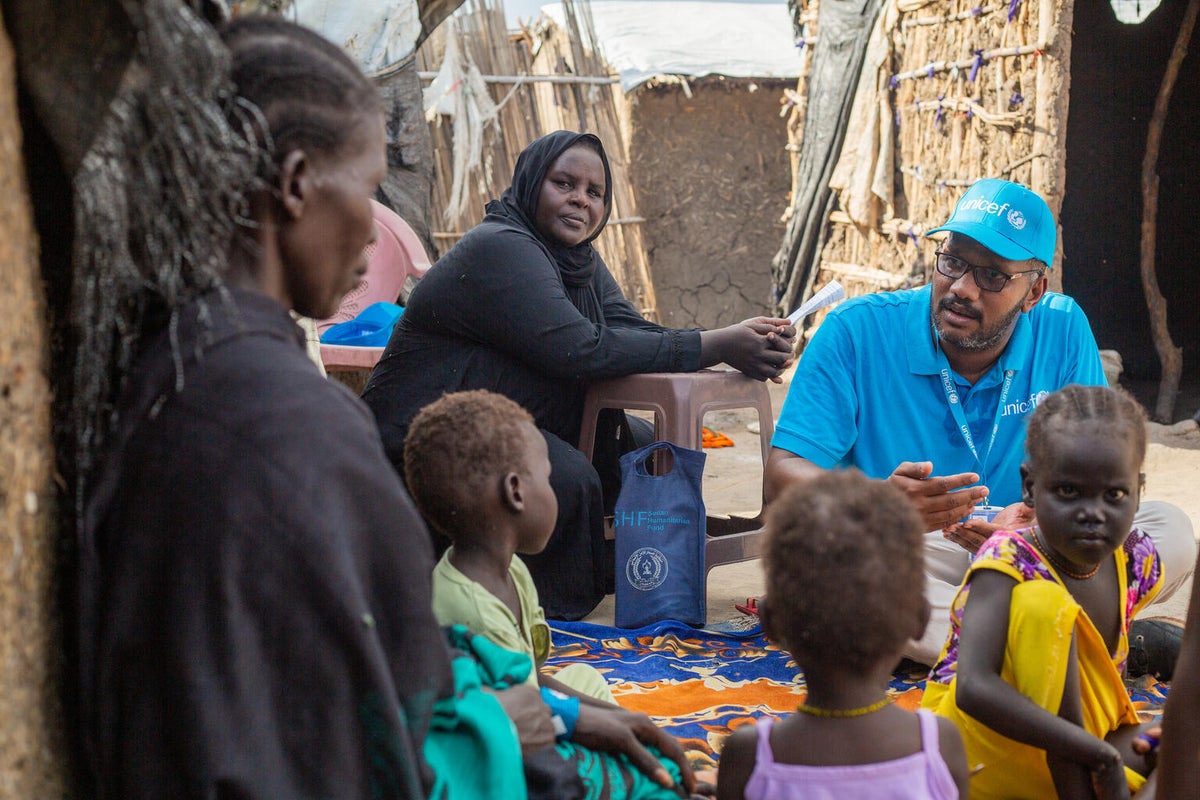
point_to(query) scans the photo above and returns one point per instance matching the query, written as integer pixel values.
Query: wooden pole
(1170, 356)
(32, 760)
(1048, 176)
(581, 80)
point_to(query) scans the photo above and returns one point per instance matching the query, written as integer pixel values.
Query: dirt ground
(733, 484)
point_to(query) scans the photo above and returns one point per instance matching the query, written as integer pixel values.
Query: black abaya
(509, 311)
(254, 590)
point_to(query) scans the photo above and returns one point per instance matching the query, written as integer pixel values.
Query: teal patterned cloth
(473, 748)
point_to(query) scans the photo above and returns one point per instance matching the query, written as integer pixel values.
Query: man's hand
(971, 535)
(937, 497)
(529, 714)
(616, 730)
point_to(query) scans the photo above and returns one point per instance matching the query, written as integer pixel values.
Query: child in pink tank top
(845, 592)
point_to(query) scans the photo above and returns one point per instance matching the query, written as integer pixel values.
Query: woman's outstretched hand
(760, 347)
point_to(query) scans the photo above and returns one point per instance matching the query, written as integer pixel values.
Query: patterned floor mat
(700, 684)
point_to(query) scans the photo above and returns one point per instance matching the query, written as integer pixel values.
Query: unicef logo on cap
(646, 569)
(1016, 219)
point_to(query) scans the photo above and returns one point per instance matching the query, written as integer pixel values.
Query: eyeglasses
(988, 279)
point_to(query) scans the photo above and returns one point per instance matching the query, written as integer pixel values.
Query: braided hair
(1115, 409)
(303, 85)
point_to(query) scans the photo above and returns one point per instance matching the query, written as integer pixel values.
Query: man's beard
(982, 339)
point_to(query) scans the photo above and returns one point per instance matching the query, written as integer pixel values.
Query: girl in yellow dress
(1031, 671)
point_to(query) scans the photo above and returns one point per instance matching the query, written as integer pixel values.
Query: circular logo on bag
(646, 569)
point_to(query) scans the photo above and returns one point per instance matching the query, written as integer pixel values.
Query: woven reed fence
(960, 90)
(542, 79)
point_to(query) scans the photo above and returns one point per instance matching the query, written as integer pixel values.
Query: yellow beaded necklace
(842, 713)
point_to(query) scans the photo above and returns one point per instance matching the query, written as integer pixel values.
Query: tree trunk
(32, 750)
(1170, 356)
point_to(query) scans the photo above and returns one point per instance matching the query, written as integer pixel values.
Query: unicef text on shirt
(1023, 407)
(650, 520)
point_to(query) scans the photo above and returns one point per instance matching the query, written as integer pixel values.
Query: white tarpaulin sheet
(376, 33)
(693, 38)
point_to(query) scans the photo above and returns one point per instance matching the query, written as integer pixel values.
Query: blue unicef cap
(1006, 218)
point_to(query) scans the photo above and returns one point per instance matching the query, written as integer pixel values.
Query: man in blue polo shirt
(931, 388)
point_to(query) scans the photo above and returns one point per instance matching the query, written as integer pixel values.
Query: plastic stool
(679, 401)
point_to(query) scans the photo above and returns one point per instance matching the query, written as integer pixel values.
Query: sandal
(750, 609)
(1154, 646)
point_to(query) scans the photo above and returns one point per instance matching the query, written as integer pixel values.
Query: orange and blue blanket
(700, 684)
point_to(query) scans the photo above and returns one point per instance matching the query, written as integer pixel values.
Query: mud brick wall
(711, 174)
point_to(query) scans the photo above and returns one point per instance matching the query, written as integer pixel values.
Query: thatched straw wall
(951, 92)
(542, 80)
(711, 170)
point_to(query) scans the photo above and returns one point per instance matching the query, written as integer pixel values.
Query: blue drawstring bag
(371, 328)
(659, 523)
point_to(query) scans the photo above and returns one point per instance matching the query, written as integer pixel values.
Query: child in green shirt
(477, 467)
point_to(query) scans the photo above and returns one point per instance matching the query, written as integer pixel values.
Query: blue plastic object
(371, 328)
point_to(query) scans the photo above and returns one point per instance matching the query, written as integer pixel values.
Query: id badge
(985, 513)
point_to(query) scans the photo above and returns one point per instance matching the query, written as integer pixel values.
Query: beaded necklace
(1058, 565)
(842, 713)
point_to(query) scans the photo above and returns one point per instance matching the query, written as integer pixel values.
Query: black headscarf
(518, 206)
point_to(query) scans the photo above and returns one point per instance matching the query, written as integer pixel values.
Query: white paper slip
(830, 293)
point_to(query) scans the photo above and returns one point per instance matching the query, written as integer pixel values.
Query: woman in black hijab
(523, 305)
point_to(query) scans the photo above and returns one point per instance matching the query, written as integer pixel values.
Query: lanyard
(952, 400)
